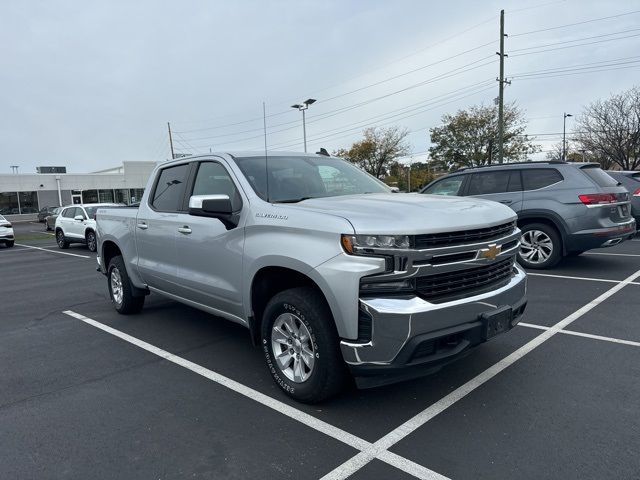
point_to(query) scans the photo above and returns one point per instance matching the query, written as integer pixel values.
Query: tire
(541, 246)
(325, 373)
(10, 243)
(61, 241)
(47, 228)
(120, 290)
(92, 243)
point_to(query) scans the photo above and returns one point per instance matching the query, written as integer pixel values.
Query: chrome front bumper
(398, 321)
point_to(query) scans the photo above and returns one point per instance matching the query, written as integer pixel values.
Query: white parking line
(53, 251)
(613, 254)
(581, 334)
(380, 446)
(343, 436)
(569, 277)
(42, 233)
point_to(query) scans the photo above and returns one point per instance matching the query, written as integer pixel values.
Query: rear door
(503, 186)
(157, 227)
(67, 222)
(210, 266)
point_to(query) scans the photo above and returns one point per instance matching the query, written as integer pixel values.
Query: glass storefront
(90, 196)
(105, 196)
(16, 203)
(122, 195)
(9, 203)
(28, 202)
(136, 194)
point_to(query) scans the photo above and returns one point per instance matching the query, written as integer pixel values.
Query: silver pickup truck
(334, 276)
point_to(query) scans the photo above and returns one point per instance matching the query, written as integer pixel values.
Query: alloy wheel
(293, 347)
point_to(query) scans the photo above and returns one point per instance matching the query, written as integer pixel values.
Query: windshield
(292, 179)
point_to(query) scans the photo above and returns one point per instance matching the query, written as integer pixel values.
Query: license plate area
(496, 322)
(623, 211)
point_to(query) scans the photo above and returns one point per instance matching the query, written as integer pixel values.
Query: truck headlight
(363, 244)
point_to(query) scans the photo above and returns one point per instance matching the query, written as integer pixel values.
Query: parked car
(331, 273)
(6, 232)
(50, 220)
(563, 208)
(77, 224)
(45, 212)
(631, 181)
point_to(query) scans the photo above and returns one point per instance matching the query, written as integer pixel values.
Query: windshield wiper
(293, 200)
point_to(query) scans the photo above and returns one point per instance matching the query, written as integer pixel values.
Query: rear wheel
(10, 243)
(301, 345)
(91, 241)
(46, 226)
(61, 241)
(540, 246)
(120, 288)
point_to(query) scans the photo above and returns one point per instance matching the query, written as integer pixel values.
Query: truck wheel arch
(109, 250)
(267, 282)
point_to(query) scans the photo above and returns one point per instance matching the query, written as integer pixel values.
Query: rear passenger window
(169, 192)
(535, 178)
(489, 182)
(68, 213)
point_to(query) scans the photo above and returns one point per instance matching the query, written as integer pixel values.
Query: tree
(470, 138)
(610, 129)
(573, 154)
(377, 151)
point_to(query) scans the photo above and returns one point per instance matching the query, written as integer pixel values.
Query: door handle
(506, 202)
(142, 226)
(184, 229)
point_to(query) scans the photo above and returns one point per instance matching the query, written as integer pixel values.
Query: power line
(573, 24)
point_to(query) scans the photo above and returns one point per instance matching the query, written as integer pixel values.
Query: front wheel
(10, 243)
(301, 345)
(120, 288)
(540, 246)
(60, 240)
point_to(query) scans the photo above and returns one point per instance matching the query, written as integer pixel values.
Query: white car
(6, 232)
(77, 224)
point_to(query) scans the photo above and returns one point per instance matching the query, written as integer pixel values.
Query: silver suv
(563, 208)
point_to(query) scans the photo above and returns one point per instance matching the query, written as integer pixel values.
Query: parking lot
(176, 393)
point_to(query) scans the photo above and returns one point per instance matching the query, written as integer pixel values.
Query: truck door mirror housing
(214, 206)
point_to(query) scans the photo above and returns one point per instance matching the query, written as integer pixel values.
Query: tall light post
(564, 136)
(302, 107)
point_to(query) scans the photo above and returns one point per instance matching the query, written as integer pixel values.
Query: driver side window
(448, 186)
(213, 179)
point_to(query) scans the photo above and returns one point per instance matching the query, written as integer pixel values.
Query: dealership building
(23, 195)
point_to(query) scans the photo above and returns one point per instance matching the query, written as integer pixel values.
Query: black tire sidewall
(130, 304)
(60, 240)
(324, 343)
(556, 255)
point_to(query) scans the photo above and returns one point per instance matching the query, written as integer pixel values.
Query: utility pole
(409, 176)
(564, 135)
(490, 150)
(173, 155)
(501, 82)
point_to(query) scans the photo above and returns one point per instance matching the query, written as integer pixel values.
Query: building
(23, 195)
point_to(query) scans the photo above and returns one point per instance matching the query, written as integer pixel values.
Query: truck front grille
(462, 237)
(444, 287)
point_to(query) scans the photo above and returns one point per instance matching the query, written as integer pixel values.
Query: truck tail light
(598, 198)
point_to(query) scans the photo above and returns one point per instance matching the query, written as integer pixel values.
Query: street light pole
(564, 135)
(303, 107)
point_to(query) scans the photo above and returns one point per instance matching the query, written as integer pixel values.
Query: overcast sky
(90, 84)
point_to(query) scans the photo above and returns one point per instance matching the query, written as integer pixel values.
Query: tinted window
(169, 192)
(213, 179)
(69, 213)
(447, 186)
(599, 176)
(536, 178)
(489, 182)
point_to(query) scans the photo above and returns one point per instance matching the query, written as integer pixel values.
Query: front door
(210, 267)
(503, 186)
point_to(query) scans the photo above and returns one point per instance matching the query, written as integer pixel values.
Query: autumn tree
(470, 138)
(573, 153)
(610, 130)
(377, 151)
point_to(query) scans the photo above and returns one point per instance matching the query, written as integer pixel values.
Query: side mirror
(210, 205)
(78, 218)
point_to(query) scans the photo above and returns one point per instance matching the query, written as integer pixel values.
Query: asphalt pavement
(177, 393)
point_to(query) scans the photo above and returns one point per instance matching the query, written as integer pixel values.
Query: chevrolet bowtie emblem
(491, 252)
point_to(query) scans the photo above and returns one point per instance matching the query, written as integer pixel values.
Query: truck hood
(410, 214)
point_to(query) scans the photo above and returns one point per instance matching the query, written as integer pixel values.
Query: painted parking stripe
(42, 233)
(343, 436)
(613, 254)
(53, 251)
(569, 277)
(354, 464)
(582, 334)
